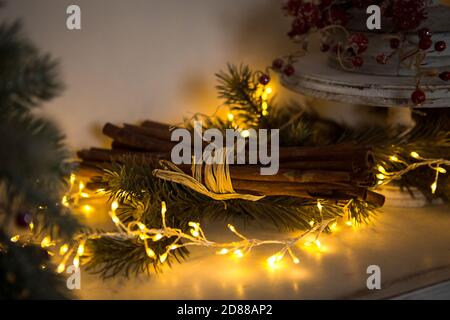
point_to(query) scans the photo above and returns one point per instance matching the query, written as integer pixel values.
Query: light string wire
(385, 177)
(195, 237)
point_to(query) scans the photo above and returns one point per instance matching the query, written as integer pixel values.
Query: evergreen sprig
(239, 88)
(33, 168)
(28, 77)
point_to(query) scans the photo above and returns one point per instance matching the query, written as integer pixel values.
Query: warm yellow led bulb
(272, 260)
(61, 268)
(230, 116)
(295, 260)
(318, 244)
(163, 207)
(80, 250)
(194, 225)
(238, 253)
(150, 253)
(15, 238)
(87, 209)
(441, 170)
(64, 201)
(333, 226)
(415, 155)
(245, 133)
(63, 249)
(115, 219)
(163, 257)
(76, 261)
(195, 233)
(319, 205)
(223, 251)
(381, 169)
(434, 187)
(268, 90)
(157, 237)
(114, 205)
(73, 177)
(393, 158)
(46, 242)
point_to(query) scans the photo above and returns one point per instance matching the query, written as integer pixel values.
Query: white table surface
(412, 247)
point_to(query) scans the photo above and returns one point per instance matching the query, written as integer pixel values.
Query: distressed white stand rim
(315, 77)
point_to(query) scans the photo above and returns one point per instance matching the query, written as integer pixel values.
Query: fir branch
(239, 88)
(111, 256)
(33, 167)
(22, 275)
(27, 77)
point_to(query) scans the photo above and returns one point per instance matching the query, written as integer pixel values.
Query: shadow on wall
(254, 37)
(261, 33)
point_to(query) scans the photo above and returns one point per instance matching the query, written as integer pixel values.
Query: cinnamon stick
(134, 139)
(249, 172)
(150, 131)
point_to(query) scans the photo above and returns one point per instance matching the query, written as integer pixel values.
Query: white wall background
(152, 59)
(140, 59)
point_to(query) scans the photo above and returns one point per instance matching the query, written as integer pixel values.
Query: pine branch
(113, 256)
(22, 275)
(34, 167)
(27, 77)
(239, 88)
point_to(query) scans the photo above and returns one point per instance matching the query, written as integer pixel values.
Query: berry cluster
(309, 16)
(330, 17)
(425, 43)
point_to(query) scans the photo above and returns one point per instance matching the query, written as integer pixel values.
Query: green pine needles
(34, 165)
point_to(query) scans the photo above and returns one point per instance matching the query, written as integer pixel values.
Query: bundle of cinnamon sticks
(337, 172)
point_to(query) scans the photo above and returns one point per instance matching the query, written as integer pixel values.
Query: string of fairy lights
(79, 198)
(385, 177)
(195, 237)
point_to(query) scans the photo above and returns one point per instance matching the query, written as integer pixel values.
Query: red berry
(359, 42)
(277, 64)
(264, 79)
(418, 97)
(440, 46)
(395, 43)
(289, 70)
(445, 75)
(357, 61)
(425, 43)
(425, 33)
(381, 58)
